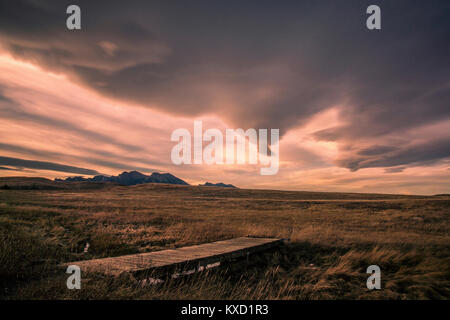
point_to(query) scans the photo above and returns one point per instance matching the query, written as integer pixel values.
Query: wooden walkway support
(197, 256)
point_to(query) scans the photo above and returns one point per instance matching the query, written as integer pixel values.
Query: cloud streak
(44, 165)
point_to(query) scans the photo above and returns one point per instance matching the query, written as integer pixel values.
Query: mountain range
(219, 184)
(131, 178)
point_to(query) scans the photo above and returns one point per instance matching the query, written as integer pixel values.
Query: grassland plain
(334, 238)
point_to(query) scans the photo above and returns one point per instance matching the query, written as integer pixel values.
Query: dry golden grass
(334, 238)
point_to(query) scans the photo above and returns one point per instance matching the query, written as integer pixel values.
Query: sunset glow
(110, 107)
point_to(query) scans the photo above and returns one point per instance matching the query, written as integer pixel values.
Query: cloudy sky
(358, 110)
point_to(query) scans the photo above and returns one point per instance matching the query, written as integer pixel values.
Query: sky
(358, 110)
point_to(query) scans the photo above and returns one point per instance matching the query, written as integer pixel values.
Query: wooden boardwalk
(178, 259)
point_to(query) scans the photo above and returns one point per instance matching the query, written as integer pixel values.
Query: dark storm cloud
(375, 150)
(44, 165)
(415, 153)
(263, 64)
(9, 169)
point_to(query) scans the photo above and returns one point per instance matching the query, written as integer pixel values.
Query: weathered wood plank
(193, 255)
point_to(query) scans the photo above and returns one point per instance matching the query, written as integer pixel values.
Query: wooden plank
(202, 254)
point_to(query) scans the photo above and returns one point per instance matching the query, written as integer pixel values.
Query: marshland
(334, 237)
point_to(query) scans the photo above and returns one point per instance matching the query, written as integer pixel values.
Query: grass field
(334, 238)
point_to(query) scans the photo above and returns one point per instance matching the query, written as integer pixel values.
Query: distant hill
(31, 183)
(131, 178)
(219, 184)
